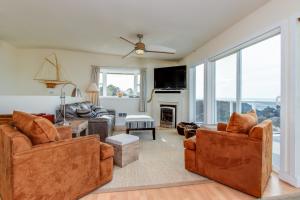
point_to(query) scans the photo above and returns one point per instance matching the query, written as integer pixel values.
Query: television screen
(170, 77)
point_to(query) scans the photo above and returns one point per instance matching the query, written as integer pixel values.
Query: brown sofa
(64, 169)
(241, 161)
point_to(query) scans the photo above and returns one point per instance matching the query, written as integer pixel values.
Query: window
(113, 83)
(226, 69)
(250, 79)
(261, 65)
(258, 62)
(200, 93)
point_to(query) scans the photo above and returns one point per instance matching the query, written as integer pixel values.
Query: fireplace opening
(168, 116)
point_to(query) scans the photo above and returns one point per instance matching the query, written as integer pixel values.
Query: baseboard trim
(157, 186)
(294, 181)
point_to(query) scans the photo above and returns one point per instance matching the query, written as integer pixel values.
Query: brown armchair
(64, 169)
(241, 161)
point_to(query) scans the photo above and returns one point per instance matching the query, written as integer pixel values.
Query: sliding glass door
(260, 81)
(226, 69)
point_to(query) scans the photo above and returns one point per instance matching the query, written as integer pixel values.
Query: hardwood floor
(205, 191)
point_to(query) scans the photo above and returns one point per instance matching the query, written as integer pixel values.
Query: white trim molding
(290, 104)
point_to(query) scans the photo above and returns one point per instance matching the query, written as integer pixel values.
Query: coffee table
(140, 122)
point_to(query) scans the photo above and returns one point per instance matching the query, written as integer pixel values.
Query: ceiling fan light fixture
(139, 52)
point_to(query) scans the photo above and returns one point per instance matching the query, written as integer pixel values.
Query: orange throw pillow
(38, 129)
(242, 123)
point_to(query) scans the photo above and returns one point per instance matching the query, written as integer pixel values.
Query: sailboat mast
(57, 68)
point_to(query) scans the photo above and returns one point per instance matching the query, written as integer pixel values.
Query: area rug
(160, 164)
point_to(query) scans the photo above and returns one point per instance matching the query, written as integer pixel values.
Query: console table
(78, 126)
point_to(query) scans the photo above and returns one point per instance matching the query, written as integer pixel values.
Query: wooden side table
(79, 127)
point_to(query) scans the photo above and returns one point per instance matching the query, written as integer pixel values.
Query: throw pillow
(39, 130)
(84, 113)
(85, 105)
(94, 107)
(242, 123)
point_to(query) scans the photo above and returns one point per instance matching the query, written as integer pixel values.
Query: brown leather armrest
(106, 151)
(263, 129)
(221, 126)
(190, 143)
(65, 132)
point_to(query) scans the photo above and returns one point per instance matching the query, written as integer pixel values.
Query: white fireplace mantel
(176, 99)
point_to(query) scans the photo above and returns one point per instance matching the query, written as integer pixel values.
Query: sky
(260, 73)
(123, 81)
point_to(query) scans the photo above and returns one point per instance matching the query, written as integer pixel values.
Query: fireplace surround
(168, 115)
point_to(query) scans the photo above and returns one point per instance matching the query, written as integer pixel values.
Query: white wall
(76, 66)
(32, 104)
(8, 68)
(19, 66)
(276, 13)
(271, 14)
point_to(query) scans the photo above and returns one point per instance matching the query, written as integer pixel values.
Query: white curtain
(95, 75)
(143, 90)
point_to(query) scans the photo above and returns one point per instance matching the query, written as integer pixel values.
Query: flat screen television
(170, 78)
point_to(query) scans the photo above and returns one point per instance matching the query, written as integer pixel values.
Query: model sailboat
(51, 67)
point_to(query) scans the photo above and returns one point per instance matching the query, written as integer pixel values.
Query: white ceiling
(95, 25)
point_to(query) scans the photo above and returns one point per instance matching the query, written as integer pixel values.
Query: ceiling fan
(140, 47)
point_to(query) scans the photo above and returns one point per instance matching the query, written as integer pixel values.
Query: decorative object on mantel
(51, 83)
(120, 94)
(151, 96)
(75, 93)
(93, 92)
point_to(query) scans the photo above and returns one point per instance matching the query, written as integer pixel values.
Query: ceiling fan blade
(127, 41)
(128, 53)
(160, 52)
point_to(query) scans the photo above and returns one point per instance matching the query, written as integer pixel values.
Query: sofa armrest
(65, 132)
(50, 169)
(106, 151)
(221, 126)
(227, 150)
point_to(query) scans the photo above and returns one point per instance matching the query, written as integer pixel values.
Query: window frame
(105, 72)
(236, 50)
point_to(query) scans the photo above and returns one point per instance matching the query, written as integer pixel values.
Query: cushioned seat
(106, 151)
(190, 143)
(238, 155)
(36, 152)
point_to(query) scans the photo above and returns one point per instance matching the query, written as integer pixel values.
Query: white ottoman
(140, 122)
(126, 148)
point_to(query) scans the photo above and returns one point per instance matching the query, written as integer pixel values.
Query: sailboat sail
(50, 72)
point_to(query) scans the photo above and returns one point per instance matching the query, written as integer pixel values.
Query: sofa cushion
(71, 110)
(106, 151)
(85, 105)
(190, 143)
(39, 130)
(21, 142)
(242, 123)
(86, 113)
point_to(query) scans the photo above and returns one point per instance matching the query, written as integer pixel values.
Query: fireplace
(168, 116)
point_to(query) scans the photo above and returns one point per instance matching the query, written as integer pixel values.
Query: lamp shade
(92, 88)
